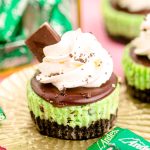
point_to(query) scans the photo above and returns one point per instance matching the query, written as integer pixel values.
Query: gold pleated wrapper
(18, 131)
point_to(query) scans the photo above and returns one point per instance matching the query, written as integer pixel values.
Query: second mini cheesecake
(136, 64)
(123, 18)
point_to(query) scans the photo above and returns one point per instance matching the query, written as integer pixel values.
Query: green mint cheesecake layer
(81, 116)
(120, 23)
(136, 74)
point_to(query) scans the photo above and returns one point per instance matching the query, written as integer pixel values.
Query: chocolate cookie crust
(142, 95)
(52, 129)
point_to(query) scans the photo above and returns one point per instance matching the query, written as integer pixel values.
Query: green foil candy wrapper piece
(2, 115)
(121, 139)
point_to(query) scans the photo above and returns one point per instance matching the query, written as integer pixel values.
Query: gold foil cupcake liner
(18, 131)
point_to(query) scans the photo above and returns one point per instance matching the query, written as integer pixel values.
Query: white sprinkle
(113, 85)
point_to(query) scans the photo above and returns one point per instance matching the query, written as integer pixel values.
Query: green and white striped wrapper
(136, 74)
(13, 28)
(120, 23)
(10, 18)
(2, 115)
(56, 12)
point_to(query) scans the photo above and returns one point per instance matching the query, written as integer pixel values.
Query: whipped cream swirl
(78, 60)
(142, 43)
(133, 5)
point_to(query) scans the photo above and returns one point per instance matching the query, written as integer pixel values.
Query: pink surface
(91, 21)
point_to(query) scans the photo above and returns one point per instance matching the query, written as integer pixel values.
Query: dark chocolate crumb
(63, 92)
(86, 80)
(91, 54)
(81, 60)
(71, 55)
(69, 120)
(89, 76)
(88, 95)
(56, 96)
(90, 112)
(72, 112)
(41, 108)
(53, 74)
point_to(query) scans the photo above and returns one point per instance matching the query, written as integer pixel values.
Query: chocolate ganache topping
(132, 6)
(143, 60)
(73, 96)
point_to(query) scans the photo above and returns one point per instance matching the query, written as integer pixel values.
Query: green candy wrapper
(10, 18)
(12, 12)
(2, 115)
(18, 19)
(121, 139)
(2, 148)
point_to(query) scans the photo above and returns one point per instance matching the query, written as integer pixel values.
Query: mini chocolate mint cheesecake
(77, 113)
(74, 94)
(136, 64)
(122, 18)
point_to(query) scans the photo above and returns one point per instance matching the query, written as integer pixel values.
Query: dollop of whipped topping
(78, 60)
(133, 5)
(142, 43)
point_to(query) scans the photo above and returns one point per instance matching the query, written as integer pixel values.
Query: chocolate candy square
(44, 36)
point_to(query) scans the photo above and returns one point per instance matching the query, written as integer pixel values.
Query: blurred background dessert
(136, 63)
(122, 18)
